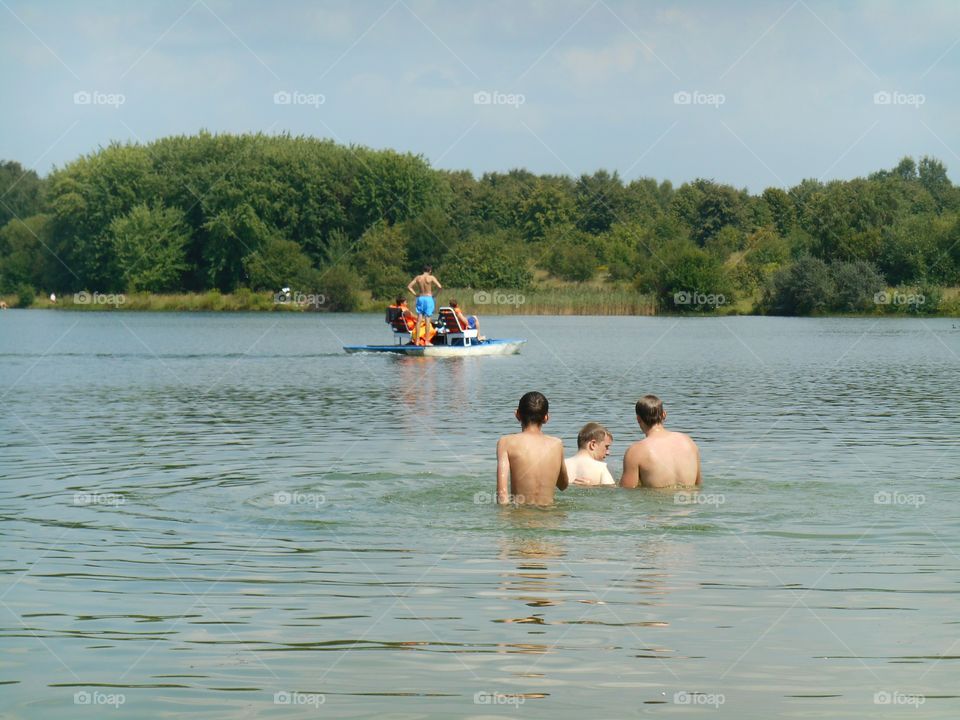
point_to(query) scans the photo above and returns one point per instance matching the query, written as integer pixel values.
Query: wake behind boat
(452, 339)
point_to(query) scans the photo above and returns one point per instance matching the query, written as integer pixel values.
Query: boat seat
(456, 333)
(399, 326)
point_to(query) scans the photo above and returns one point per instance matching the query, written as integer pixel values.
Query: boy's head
(454, 304)
(401, 300)
(595, 439)
(428, 268)
(650, 410)
(533, 409)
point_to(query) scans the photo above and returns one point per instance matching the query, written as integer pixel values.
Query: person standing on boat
(424, 283)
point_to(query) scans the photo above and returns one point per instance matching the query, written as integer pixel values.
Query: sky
(755, 94)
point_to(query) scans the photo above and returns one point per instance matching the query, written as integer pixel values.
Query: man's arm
(436, 282)
(631, 471)
(410, 287)
(563, 482)
(503, 472)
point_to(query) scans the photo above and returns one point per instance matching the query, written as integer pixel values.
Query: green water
(224, 516)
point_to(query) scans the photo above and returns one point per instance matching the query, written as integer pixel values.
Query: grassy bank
(582, 299)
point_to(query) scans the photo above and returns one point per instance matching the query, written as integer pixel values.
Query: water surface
(201, 511)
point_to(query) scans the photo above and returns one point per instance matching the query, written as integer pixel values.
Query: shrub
(804, 288)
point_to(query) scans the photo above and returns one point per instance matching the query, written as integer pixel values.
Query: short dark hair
(454, 303)
(400, 299)
(591, 431)
(533, 408)
(428, 268)
(650, 409)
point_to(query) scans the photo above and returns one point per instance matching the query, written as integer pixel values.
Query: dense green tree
(601, 201)
(429, 237)
(783, 212)
(855, 286)
(549, 205)
(25, 258)
(20, 192)
(804, 288)
(149, 244)
(684, 277)
(490, 261)
(707, 207)
(276, 264)
(381, 258)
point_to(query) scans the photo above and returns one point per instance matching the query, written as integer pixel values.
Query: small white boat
(451, 340)
(508, 346)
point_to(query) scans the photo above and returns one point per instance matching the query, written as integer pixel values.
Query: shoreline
(561, 302)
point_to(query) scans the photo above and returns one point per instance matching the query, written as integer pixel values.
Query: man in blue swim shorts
(422, 287)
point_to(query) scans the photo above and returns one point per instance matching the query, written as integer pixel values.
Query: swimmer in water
(587, 466)
(529, 463)
(663, 459)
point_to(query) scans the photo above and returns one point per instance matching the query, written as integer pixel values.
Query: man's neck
(533, 428)
(653, 429)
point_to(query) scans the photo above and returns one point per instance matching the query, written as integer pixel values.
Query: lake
(225, 516)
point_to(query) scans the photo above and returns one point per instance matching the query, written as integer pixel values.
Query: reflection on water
(210, 514)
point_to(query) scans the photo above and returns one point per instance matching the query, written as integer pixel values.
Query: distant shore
(587, 300)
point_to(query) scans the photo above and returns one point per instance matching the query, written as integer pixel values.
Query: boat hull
(509, 346)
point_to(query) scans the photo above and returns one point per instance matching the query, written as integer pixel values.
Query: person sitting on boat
(400, 309)
(469, 322)
(425, 305)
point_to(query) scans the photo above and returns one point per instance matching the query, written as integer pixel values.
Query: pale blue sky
(784, 90)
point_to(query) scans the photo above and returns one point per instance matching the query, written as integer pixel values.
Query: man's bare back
(663, 459)
(424, 283)
(529, 463)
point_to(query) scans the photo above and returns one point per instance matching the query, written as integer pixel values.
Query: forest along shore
(198, 222)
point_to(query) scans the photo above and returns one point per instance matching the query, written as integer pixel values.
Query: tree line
(224, 212)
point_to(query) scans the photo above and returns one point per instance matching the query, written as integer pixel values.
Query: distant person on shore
(587, 466)
(663, 459)
(529, 463)
(423, 283)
